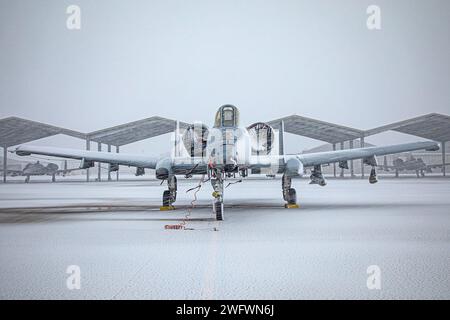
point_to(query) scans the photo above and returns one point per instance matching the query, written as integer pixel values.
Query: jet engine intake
(261, 138)
(195, 139)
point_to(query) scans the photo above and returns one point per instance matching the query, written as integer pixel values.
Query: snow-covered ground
(115, 233)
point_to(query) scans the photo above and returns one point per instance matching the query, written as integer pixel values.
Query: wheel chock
(291, 206)
(166, 208)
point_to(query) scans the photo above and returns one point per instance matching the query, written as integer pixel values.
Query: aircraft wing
(195, 166)
(135, 160)
(431, 166)
(13, 172)
(313, 159)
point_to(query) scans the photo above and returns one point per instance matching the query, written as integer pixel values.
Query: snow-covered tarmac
(115, 233)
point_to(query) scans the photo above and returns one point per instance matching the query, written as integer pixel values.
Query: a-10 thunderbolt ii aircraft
(227, 150)
(410, 164)
(38, 169)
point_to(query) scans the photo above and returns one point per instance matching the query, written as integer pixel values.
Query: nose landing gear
(217, 185)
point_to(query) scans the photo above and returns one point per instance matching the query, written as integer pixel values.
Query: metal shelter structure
(432, 126)
(127, 133)
(14, 131)
(321, 130)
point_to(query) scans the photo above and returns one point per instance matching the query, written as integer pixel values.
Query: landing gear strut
(289, 194)
(217, 184)
(373, 176)
(170, 195)
(372, 161)
(317, 176)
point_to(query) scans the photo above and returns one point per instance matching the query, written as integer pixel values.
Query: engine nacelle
(195, 139)
(261, 138)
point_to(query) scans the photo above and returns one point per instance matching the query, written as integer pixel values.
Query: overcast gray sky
(183, 59)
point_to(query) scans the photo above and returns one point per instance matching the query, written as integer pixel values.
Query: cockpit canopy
(227, 116)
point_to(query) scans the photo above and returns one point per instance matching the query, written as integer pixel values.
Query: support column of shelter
(352, 169)
(88, 147)
(362, 162)
(443, 158)
(342, 169)
(177, 139)
(281, 144)
(99, 175)
(5, 163)
(109, 166)
(117, 172)
(334, 164)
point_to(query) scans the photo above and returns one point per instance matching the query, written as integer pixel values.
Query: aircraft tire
(292, 196)
(218, 210)
(166, 198)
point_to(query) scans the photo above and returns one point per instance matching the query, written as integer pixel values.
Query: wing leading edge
(314, 159)
(135, 160)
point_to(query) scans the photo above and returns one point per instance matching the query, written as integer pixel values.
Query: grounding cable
(182, 224)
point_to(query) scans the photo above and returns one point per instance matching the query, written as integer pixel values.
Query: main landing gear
(373, 176)
(372, 161)
(217, 184)
(170, 195)
(317, 176)
(289, 193)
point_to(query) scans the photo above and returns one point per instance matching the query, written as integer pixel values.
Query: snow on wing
(135, 160)
(313, 159)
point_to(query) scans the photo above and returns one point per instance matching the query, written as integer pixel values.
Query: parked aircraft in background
(227, 150)
(38, 169)
(410, 164)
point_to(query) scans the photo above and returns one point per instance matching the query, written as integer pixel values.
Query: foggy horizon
(138, 59)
